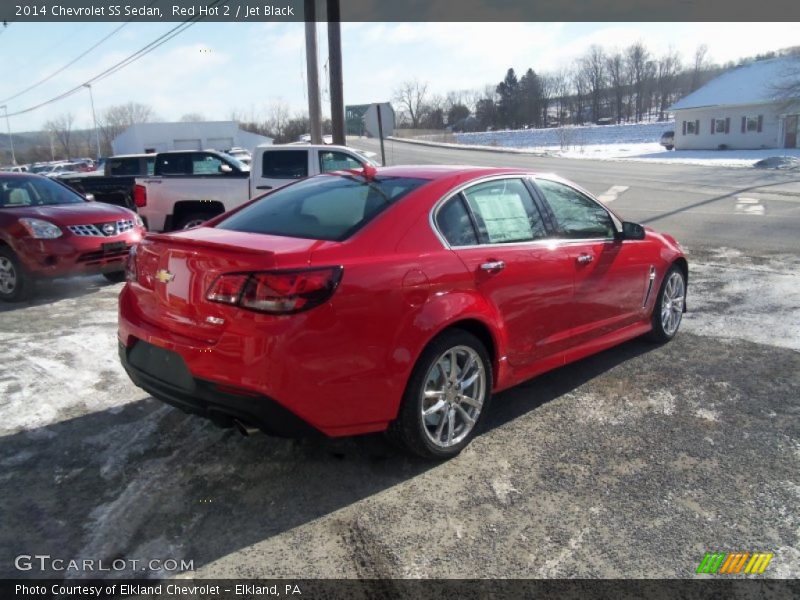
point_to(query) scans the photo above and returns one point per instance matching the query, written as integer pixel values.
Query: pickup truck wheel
(193, 220)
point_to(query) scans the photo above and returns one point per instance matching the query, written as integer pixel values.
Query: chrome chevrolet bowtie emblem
(164, 276)
(109, 228)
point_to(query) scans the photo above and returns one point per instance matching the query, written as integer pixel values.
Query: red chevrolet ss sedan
(397, 299)
(48, 230)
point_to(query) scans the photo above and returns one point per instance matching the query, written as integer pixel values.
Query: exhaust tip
(245, 429)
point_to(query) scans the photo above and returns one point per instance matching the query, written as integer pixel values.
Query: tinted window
(337, 161)
(321, 208)
(175, 164)
(206, 164)
(123, 166)
(35, 191)
(454, 223)
(504, 212)
(577, 216)
(284, 164)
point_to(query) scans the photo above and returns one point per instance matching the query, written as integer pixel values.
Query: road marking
(611, 193)
(749, 206)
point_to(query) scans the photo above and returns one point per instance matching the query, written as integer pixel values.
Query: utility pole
(10, 138)
(335, 63)
(94, 118)
(314, 110)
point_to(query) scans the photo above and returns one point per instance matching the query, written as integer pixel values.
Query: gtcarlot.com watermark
(48, 563)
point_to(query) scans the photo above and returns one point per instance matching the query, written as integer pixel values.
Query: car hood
(71, 214)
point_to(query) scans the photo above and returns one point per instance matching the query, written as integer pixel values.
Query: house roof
(755, 83)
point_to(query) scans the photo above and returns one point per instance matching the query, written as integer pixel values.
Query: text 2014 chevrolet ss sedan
(393, 299)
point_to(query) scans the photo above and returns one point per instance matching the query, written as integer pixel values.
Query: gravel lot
(632, 463)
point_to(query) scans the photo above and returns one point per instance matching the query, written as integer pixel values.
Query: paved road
(750, 209)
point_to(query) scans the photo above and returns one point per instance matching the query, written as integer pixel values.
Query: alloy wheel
(453, 396)
(672, 303)
(8, 276)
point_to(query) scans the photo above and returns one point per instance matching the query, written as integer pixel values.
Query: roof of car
(444, 171)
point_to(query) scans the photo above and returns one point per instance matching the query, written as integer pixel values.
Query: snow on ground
(732, 295)
(629, 142)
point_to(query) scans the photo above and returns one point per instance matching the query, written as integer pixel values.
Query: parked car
(48, 230)
(192, 187)
(114, 184)
(668, 140)
(240, 154)
(397, 299)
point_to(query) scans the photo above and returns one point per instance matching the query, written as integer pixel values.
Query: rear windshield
(321, 208)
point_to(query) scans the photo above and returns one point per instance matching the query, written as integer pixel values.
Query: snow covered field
(637, 142)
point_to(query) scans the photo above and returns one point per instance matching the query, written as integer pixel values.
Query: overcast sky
(214, 68)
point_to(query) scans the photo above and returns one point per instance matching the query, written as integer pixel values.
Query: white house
(201, 135)
(741, 109)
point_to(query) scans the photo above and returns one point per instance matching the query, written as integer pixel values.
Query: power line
(162, 39)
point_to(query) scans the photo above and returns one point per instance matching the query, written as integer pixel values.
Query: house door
(790, 135)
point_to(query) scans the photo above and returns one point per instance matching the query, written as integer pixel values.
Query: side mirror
(631, 231)
(223, 168)
(89, 197)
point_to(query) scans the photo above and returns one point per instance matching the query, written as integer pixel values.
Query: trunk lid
(175, 272)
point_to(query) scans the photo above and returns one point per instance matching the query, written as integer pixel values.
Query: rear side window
(284, 164)
(504, 212)
(321, 208)
(337, 161)
(175, 164)
(454, 223)
(123, 166)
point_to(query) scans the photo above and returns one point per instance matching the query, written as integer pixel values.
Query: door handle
(495, 265)
(263, 187)
(585, 259)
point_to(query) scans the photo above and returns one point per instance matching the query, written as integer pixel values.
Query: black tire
(22, 284)
(115, 276)
(669, 147)
(193, 220)
(662, 333)
(410, 429)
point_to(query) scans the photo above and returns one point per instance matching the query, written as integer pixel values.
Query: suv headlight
(41, 230)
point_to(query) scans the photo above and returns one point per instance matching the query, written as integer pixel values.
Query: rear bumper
(220, 403)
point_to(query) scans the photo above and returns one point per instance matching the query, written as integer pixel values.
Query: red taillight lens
(130, 265)
(139, 195)
(227, 289)
(277, 292)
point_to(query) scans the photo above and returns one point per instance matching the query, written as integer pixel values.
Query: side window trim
(473, 221)
(614, 221)
(548, 218)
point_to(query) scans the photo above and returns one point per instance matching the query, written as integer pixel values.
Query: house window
(752, 123)
(690, 127)
(719, 125)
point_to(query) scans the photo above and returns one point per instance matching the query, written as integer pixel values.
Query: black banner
(402, 10)
(372, 589)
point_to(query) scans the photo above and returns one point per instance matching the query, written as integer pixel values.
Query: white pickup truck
(190, 187)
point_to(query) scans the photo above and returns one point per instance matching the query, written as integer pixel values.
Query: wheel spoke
(435, 408)
(433, 394)
(471, 401)
(453, 366)
(451, 417)
(442, 423)
(467, 383)
(467, 366)
(464, 415)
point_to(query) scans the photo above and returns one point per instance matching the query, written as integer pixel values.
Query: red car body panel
(343, 366)
(69, 254)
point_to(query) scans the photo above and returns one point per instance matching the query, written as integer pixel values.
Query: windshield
(329, 207)
(16, 192)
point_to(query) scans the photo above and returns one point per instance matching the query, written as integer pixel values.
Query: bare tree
(192, 117)
(636, 59)
(699, 66)
(615, 65)
(116, 119)
(666, 78)
(412, 97)
(560, 82)
(787, 86)
(277, 120)
(593, 65)
(61, 129)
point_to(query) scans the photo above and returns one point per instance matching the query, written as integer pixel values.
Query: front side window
(455, 224)
(577, 216)
(34, 191)
(284, 164)
(321, 208)
(206, 164)
(337, 161)
(504, 212)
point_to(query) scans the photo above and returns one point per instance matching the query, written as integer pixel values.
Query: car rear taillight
(139, 195)
(130, 265)
(276, 292)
